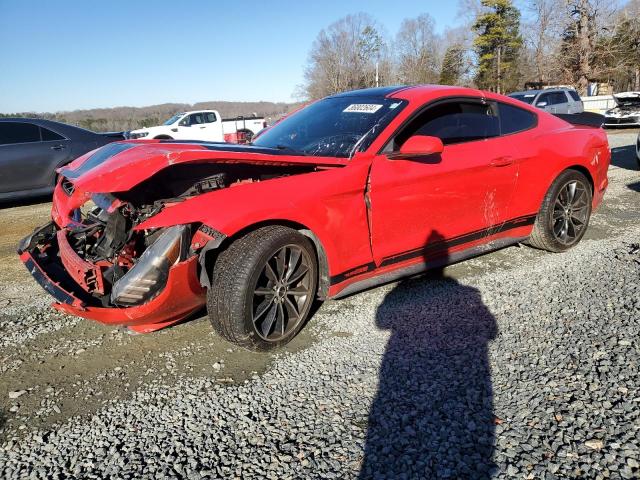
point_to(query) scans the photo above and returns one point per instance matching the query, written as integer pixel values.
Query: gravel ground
(517, 364)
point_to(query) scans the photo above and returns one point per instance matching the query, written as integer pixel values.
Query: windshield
(173, 119)
(333, 127)
(524, 97)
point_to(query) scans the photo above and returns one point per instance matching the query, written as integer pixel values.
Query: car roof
(59, 127)
(544, 90)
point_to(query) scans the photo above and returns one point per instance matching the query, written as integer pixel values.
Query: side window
(49, 135)
(210, 117)
(514, 119)
(454, 122)
(196, 119)
(574, 95)
(18, 132)
(558, 98)
(544, 98)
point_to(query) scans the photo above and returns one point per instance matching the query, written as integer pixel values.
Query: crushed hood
(122, 165)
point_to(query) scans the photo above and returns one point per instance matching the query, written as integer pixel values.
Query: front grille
(67, 186)
(622, 121)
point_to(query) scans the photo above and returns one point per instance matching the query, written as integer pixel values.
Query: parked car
(206, 125)
(552, 100)
(32, 149)
(626, 113)
(354, 190)
(638, 149)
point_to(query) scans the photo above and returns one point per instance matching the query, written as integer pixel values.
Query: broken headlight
(149, 275)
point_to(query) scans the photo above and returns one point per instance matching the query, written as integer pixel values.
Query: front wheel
(564, 215)
(263, 287)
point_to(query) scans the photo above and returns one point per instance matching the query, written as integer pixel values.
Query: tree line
(499, 47)
(129, 118)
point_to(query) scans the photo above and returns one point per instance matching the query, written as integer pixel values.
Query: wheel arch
(209, 260)
(583, 170)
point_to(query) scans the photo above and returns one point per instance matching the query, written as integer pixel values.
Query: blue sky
(70, 54)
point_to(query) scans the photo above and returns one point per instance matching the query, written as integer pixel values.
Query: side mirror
(419, 146)
(541, 104)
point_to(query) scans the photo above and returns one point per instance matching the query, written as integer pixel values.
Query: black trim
(436, 249)
(372, 92)
(53, 289)
(228, 147)
(341, 277)
(588, 119)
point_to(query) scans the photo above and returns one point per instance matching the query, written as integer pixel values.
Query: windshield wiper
(288, 148)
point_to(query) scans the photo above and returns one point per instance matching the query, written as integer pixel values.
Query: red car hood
(120, 166)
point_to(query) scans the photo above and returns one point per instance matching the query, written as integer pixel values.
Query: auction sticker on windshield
(363, 108)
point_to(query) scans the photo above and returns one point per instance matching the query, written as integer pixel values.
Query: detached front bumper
(181, 296)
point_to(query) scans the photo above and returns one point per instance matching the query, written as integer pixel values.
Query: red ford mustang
(351, 191)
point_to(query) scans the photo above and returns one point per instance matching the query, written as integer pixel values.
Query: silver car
(552, 100)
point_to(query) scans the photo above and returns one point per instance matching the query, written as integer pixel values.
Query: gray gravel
(526, 372)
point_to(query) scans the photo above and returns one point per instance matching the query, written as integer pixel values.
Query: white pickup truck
(205, 125)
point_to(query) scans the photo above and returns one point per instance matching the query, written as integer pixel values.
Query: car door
(458, 196)
(27, 162)
(211, 130)
(545, 102)
(190, 127)
(561, 102)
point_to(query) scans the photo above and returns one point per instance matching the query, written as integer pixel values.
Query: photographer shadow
(433, 413)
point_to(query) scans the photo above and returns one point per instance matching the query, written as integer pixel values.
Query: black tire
(563, 219)
(245, 296)
(248, 135)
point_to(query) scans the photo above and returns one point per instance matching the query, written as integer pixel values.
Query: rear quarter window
(514, 119)
(50, 135)
(573, 94)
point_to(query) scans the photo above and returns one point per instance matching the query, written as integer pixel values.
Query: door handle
(57, 147)
(501, 161)
(202, 127)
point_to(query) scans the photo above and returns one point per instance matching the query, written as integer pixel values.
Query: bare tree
(587, 20)
(542, 31)
(418, 49)
(344, 57)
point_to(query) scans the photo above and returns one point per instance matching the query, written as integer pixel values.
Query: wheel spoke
(263, 307)
(298, 275)
(269, 320)
(280, 262)
(271, 275)
(281, 323)
(571, 229)
(292, 309)
(565, 229)
(571, 190)
(294, 258)
(298, 291)
(262, 291)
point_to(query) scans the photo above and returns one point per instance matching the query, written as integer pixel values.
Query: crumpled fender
(329, 203)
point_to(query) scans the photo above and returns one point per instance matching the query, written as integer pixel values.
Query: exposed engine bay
(102, 233)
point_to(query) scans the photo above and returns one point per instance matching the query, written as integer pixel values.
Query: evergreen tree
(497, 45)
(452, 65)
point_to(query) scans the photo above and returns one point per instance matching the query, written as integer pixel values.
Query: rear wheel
(564, 216)
(263, 287)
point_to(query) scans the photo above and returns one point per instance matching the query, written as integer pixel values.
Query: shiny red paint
(371, 215)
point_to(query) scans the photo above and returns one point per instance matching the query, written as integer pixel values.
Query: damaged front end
(99, 261)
